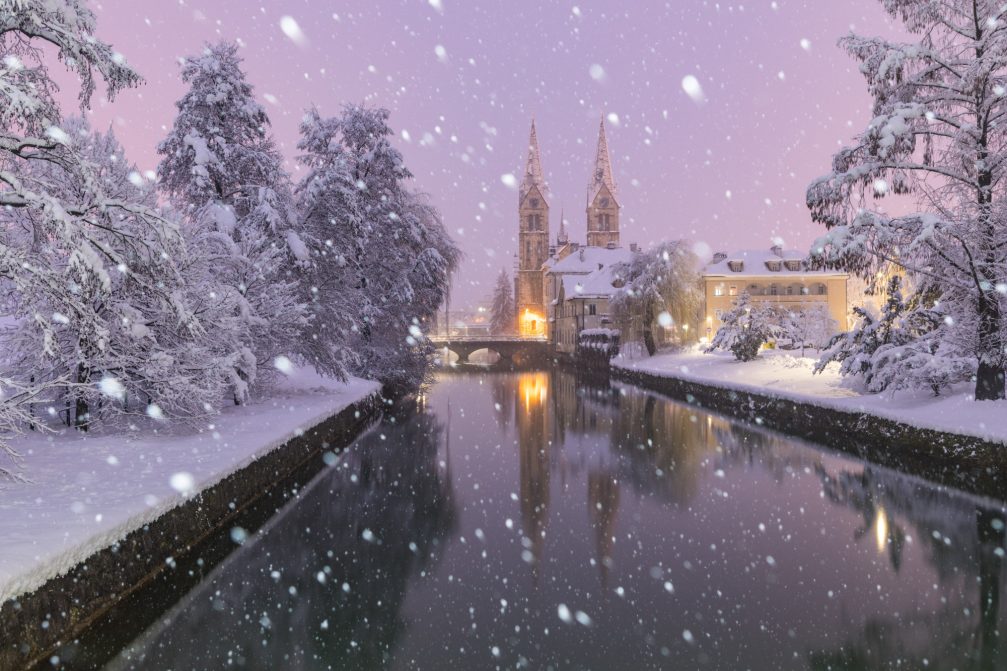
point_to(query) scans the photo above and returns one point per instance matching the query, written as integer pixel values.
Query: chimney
(633, 247)
(777, 249)
(719, 256)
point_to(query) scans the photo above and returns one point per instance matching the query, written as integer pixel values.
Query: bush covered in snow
(745, 328)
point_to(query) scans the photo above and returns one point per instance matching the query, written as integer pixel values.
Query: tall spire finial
(533, 168)
(562, 238)
(602, 175)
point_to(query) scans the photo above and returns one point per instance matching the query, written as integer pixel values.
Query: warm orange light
(532, 324)
(533, 388)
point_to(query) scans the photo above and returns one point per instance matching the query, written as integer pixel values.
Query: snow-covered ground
(788, 375)
(87, 491)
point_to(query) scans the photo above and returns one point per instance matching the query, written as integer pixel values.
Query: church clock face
(604, 202)
(534, 202)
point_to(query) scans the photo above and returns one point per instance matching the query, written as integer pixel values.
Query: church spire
(602, 175)
(533, 168)
(562, 238)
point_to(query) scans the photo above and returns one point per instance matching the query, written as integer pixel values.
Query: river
(533, 520)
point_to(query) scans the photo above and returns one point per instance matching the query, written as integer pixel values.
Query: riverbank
(102, 513)
(949, 439)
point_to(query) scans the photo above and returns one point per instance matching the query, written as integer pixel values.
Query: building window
(821, 290)
(805, 291)
(792, 265)
(773, 290)
(718, 290)
(591, 309)
(790, 291)
(736, 266)
(733, 291)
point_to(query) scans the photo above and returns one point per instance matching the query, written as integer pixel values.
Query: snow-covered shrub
(745, 328)
(910, 344)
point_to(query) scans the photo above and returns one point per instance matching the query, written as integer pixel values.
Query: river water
(532, 520)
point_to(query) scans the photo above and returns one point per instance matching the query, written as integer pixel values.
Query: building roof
(533, 175)
(602, 175)
(775, 262)
(588, 259)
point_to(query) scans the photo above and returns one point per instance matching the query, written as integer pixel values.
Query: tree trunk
(990, 376)
(80, 418)
(648, 332)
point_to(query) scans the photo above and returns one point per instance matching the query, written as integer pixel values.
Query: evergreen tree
(502, 313)
(909, 345)
(223, 172)
(744, 329)
(938, 133)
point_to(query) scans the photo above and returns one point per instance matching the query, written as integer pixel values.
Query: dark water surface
(528, 520)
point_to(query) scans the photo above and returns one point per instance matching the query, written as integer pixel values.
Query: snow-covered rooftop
(763, 263)
(589, 259)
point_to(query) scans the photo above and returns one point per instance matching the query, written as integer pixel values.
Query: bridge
(508, 347)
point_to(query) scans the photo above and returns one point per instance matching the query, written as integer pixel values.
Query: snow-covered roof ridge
(602, 174)
(764, 263)
(589, 259)
(533, 175)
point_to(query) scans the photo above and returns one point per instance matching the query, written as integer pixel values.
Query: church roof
(602, 175)
(533, 176)
(589, 259)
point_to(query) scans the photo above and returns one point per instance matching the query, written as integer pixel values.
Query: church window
(592, 309)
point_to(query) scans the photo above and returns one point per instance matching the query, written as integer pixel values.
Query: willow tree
(938, 139)
(664, 280)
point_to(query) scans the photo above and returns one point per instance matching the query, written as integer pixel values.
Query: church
(562, 287)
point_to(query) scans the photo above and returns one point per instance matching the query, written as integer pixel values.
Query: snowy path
(88, 491)
(786, 375)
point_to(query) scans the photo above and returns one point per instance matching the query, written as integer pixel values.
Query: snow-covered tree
(375, 249)
(810, 326)
(909, 344)
(74, 245)
(745, 328)
(142, 342)
(225, 175)
(661, 284)
(938, 134)
(502, 312)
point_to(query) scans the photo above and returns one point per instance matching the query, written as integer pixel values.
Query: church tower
(533, 244)
(602, 198)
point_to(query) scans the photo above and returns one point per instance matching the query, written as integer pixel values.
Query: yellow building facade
(775, 276)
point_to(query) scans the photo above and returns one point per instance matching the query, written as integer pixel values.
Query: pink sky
(464, 78)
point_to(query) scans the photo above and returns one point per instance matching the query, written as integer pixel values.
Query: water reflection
(323, 588)
(535, 520)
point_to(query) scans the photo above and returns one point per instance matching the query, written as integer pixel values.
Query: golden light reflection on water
(881, 529)
(533, 389)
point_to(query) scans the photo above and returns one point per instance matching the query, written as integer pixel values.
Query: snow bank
(88, 491)
(789, 376)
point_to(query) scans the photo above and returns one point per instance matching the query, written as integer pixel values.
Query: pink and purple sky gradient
(463, 80)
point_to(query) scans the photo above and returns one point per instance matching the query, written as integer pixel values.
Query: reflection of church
(538, 257)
